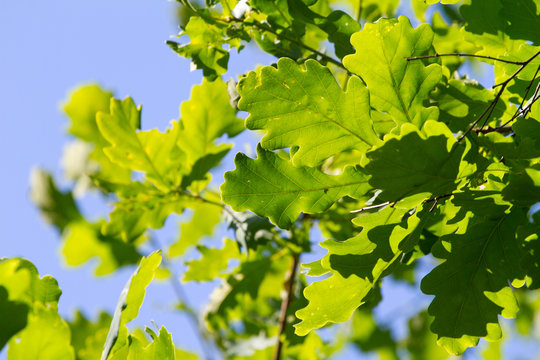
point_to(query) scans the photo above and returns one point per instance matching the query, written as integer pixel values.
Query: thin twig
(289, 285)
(370, 207)
(489, 109)
(466, 55)
(499, 129)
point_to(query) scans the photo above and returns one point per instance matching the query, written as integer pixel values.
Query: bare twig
(466, 55)
(286, 301)
(370, 207)
(489, 109)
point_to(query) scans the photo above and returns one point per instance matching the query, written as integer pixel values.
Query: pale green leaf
(153, 152)
(272, 187)
(396, 86)
(87, 337)
(205, 218)
(213, 262)
(46, 337)
(127, 308)
(207, 116)
(161, 347)
(302, 106)
(84, 241)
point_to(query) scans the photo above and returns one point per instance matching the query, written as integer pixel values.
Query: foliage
(371, 133)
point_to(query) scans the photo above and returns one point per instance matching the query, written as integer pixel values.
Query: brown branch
(466, 55)
(499, 129)
(289, 285)
(489, 109)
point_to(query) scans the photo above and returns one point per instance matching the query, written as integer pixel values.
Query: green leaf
(207, 116)
(45, 337)
(153, 152)
(431, 162)
(213, 262)
(471, 286)
(205, 218)
(524, 19)
(271, 186)
(21, 280)
(161, 347)
(250, 230)
(396, 86)
(421, 342)
(127, 308)
(14, 315)
(58, 208)
(82, 107)
(84, 241)
(87, 338)
(205, 47)
(304, 107)
(338, 25)
(359, 262)
(141, 206)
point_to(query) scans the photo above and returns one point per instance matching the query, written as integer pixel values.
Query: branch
(467, 55)
(285, 305)
(489, 110)
(370, 207)
(499, 129)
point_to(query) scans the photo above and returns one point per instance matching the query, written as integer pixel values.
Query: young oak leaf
(206, 116)
(303, 106)
(397, 86)
(153, 152)
(272, 187)
(472, 286)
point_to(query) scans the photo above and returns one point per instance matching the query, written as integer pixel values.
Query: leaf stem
(289, 286)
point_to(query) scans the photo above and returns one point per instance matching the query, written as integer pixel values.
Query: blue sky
(48, 48)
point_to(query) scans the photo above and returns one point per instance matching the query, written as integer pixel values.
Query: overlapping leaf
(415, 163)
(305, 108)
(396, 86)
(271, 186)
(205, 117)
(357, 264)
(471, 287)
(153, 152)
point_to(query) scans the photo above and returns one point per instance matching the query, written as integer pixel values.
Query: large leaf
(472, 286)
(45, 337)
(396, 86)
(271, 186)
(305, 108)
(413, 163)
(357, 264)
(524, 19)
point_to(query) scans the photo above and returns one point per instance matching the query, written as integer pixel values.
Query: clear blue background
(48, 48)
